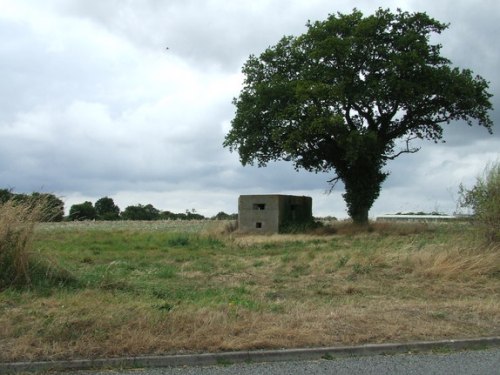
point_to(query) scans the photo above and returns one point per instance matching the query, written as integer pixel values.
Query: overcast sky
(132, 99)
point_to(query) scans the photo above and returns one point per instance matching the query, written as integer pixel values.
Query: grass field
(174, 287)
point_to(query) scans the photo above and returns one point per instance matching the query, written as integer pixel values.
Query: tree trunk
(362, 184)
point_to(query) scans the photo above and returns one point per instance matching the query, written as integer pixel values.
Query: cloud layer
(132, 100)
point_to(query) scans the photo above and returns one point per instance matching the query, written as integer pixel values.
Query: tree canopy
(106, 209)
(338, 97)
(82, 211)
(141, 212)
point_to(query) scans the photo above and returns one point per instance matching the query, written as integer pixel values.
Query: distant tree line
(104, 209)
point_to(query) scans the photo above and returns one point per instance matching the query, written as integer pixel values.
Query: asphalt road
(479, 362)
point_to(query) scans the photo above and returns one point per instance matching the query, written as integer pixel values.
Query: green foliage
(82, 211)
(338, 97)
(484, 200)
(141, 212)
(106, 209)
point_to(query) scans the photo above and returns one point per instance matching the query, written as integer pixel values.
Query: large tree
(350, 94)
(106, 209)
(141, 212)
(82, 211)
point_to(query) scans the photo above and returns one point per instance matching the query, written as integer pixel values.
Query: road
(479, 362)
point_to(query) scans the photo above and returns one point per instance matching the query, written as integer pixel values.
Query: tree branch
(406, 150)
(333, 182)
(348, 118)
(366, 115)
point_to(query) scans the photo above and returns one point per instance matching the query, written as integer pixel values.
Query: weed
(223, 362)
(438, 314)
(278, 279)
(288, 257)
(178, 240)
(165, 306)
(166, 271)
(342, 261)
(360, 269)
(300, 270)
(277, 308)
(212, 242)
(258, 263)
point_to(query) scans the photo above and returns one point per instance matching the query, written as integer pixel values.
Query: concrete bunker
(272, 213)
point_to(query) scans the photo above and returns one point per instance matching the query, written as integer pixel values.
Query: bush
(484, 200)
(18, 265)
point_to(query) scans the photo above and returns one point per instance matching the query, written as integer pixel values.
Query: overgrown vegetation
(19, 265)
(484, 200)
(53, 207)
(147, 288)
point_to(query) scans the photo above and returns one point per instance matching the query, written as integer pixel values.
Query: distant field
(135, 288)
(171, 225)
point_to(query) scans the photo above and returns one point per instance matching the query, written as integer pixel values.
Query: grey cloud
(214, 33)
(94, 104)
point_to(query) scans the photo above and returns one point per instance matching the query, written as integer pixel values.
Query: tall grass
(19, 267)
(17, 224)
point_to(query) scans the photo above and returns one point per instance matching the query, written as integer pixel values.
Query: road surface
(478, 362)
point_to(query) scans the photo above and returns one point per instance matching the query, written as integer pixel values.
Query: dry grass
(175, 293)
(17, 223)
(20, 266)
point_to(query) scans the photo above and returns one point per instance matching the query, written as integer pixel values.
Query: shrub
(484, 200)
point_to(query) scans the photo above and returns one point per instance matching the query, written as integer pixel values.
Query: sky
(131, 99)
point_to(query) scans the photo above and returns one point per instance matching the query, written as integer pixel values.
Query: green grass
(148, 290)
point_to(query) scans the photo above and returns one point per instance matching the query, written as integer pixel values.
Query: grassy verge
(151, 290)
